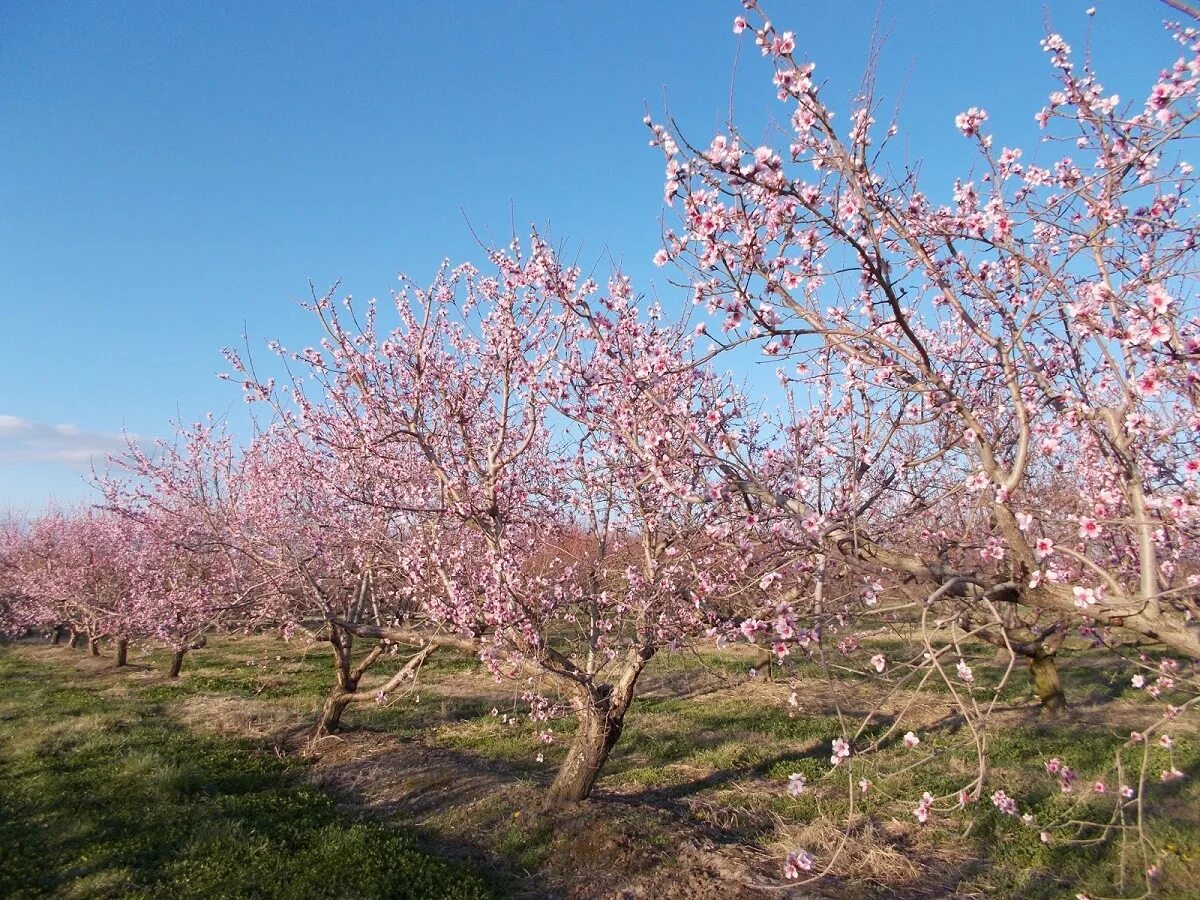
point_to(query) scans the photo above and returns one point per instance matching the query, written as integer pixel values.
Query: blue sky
(174, 174)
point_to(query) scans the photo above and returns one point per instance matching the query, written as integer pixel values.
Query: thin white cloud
(22, 440)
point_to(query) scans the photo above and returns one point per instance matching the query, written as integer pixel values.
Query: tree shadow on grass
(129, 804)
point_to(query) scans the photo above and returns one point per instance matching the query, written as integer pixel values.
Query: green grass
(705, 742)
(104, 795)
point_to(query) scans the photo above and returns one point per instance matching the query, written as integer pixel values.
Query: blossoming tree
(535, 540)
(1002, 370)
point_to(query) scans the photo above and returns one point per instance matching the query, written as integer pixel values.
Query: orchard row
(983, 426)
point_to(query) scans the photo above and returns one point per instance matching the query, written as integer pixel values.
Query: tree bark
(348, 688)
(176, 662)
(331, 712)
(122, 651)
(1039, 650)
(345, 683)
(600, 710)
(58, 635)
(94, 645)
(1047, 683)
(766, 660)
(75, 637)
(599, 730)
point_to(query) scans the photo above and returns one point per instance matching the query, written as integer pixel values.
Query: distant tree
(179, 499)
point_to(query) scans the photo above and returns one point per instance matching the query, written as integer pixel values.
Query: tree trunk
(765, 660)
(75, 636)
(1048, 685)
(331, 712)
(122, 651)
(345, 683)
(58, 635)
(598, 732)
(176, 662)
(600, 710)
(94, 645)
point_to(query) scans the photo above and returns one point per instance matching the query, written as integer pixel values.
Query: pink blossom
(796, 784)
(923, 807)
(751, 628)
(841, 750)
(1159, 299)
(800, 861)
(968, 122)
(1147, 384)
(1067, 779)
(911, 740)
(978, 482)
(1004, 803)
(1158, 332)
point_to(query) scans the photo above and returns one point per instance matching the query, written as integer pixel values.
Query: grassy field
(104, 794)
(120, 782)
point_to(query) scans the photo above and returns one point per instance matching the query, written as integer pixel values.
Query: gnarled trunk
(600, 710)
(58, 635)
(177, 656)
(598, 732)
(331, 712)
(75, 639)
(122, 651)
(1039, 649)
(765, 660)
(1048, 684)
(345, 683)
(349, 681)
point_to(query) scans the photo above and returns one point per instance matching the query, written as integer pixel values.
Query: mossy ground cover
(104, 794)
